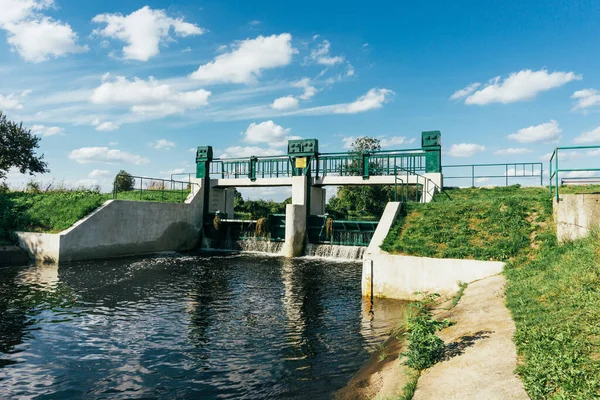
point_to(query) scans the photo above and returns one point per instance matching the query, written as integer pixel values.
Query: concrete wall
(221, 200)
(295, 230)
(399, 277)
(576, 214)
(121, 228)
(317, 201)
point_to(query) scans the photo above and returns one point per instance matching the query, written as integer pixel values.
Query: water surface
(181, 326)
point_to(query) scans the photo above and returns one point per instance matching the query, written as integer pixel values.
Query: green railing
(152, 189)
(555, 168)
(473, 172)
(338, 164)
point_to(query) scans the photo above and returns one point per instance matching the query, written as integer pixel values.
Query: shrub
(124, 182)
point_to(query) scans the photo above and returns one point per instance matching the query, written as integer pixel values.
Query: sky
(137, 85)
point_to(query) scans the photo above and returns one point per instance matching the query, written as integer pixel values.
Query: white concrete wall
(383, 227)
(317, 201)
(399, 277)
(44, 247)
(295, 230)
(221, 200)
(121, 228)
(576, 214)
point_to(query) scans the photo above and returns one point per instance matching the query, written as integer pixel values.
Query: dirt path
(482, 356)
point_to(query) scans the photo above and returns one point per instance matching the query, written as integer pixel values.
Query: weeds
(461, 289)
(425, 348)
(408, 391)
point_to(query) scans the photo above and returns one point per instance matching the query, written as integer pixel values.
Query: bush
(124, 182)
(425, 348)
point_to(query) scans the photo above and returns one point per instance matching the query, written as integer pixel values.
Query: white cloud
(99, 173)
(113, 143)
(162, 144)
(10, 102)
(105, 126)
(321, 55)
(370, 101)
(309, 90)
(87, 155)
(47, 130)
(147, 97)
(285, 103)
(519, 86)
(267, 132)
(465, 149)
(247, 151)
(350, 70)
(512, 151)
(586, 98)
(459, 94)
(193, 149)
(143, 31)
(589, 137)
(387, 142)
(248, 59)
(546, 133)
(173, 171)
(33, 35)
(579, 174)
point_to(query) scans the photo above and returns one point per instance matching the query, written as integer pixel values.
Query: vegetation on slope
(478, 223)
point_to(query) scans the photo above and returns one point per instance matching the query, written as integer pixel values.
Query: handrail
(517, 171)
(185, 187)
(555, 172)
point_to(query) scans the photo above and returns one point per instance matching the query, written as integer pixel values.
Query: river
(186, 326)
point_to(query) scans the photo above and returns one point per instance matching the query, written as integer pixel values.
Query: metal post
(506, 173)
(472, 175)
(162, 191)
(141, 179)
(556, 173)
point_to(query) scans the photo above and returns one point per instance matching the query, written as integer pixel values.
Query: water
(234, 326)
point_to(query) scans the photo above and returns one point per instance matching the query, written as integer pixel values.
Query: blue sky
(135, 85)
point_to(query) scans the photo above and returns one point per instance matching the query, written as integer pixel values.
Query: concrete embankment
(400, 277)
(122, 228)
(576, 214)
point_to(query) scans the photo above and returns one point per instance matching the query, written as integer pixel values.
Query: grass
(576, 189)
(55, 211)
(482, 224)
(555, 302)
(408, 391)
(461, 290)
(553, 292)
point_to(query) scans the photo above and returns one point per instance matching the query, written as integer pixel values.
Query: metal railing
(424, 188)
(511, 170)
(142, 188)
(555, 169)
(251, 167)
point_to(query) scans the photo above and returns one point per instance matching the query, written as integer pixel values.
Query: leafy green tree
(17, 149)
(360, 201)
(124, 181)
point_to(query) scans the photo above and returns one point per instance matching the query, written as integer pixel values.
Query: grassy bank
(55, 211)
(481, 224)
(553, 291)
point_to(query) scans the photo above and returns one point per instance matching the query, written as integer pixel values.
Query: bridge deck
(321, 181)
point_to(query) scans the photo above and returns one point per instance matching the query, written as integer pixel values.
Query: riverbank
(552, 290)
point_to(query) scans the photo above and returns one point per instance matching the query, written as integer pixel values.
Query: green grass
(481, 224)
(576, 189)
(554, 298)
(52, 212)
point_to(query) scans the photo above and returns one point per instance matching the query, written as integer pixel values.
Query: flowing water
(186, 326)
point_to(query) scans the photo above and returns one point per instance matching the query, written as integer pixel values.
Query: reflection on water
(186, 326)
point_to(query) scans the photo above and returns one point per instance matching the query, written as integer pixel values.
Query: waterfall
(334, 251)
(252, 245)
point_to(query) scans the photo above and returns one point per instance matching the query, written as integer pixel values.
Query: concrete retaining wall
(576, 214)
(399, 277)
(122, 228)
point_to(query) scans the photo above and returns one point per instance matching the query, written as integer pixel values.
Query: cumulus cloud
(33, 35)
(512, 151)
(47, 130)
(87, 155)
(99, 173)
(10, 102)
(543, 133)
(373, 99)
(321, 55)
(586, 98)
(589, 137)
(162, 144)
(465, 149)
(147, 97)
(459, 94)
(285, 103)
(309, 90)
(143, 31)
(105, 126)
(384, 141)
(267, 132)
(519, 86)
(247, 60)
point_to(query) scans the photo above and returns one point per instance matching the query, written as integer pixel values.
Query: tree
(17, 149)
(124, 181)
(360, 201)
